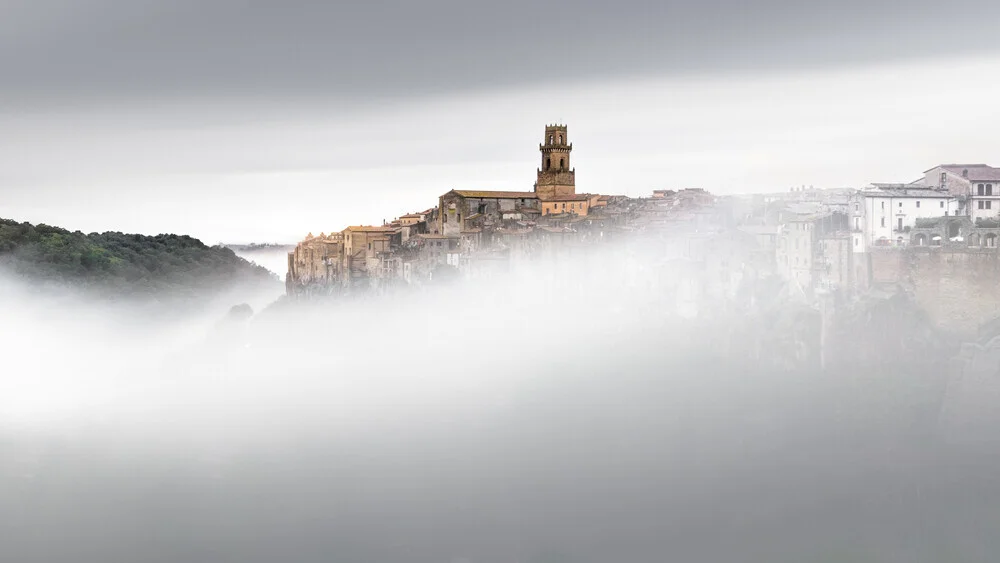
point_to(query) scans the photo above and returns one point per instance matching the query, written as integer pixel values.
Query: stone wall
(959, 289)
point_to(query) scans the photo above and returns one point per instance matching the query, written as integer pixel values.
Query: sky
(262, 121)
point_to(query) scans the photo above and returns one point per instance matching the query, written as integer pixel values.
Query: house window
(856, 207)
(883, 205)
(989, 205)
(989, 189)
(981, 204)
(942, 204)
(901, 204)
(918, 204)
(982, 189)
(899, 224)
(944, 178)
(883, 221)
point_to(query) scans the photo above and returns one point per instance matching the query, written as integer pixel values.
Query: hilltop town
(933, 238)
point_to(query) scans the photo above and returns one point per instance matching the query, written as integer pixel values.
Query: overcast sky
(252, 121)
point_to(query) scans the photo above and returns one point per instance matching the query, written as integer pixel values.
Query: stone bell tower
(555, 177)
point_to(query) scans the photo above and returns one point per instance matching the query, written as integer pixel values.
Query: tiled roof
(976, 172)
(960, 167)
(369, 229)
(495, 195)
(903, 190)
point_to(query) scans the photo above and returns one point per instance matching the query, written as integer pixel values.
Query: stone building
(556, 178)
(316, 262)
(461, 210)
(362, 246)
(809, 250)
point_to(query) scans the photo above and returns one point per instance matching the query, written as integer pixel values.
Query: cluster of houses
(824, 239)
(477, 233)
(815, 240)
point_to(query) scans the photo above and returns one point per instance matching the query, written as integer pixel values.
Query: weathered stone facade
(462, 210)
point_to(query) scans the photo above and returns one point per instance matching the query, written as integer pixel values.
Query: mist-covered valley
(563, 412)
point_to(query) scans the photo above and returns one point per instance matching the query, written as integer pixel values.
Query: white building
(979, 183)
(883, 214)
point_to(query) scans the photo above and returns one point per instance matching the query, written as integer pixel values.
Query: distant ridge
(119, 265)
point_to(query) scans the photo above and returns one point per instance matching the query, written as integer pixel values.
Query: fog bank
(561, 413)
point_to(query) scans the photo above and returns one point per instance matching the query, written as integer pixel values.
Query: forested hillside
(117, 265)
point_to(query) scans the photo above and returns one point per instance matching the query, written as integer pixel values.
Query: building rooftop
(905, 190)
(369, 229)
(495, 195)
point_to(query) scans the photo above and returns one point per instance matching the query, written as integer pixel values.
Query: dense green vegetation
(124, 265)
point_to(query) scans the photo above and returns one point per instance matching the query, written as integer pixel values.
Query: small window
(981, 189)
(989, 189)
(918, 204)
(883, 205)
(883, 221)
(981, 205)
(942, 204)
(901, 204)
(989, 205)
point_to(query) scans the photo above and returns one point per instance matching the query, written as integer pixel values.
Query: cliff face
(956, 286)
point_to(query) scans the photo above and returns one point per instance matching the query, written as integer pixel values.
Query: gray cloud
(103, 50)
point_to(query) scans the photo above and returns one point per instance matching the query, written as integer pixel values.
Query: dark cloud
(102, 50)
